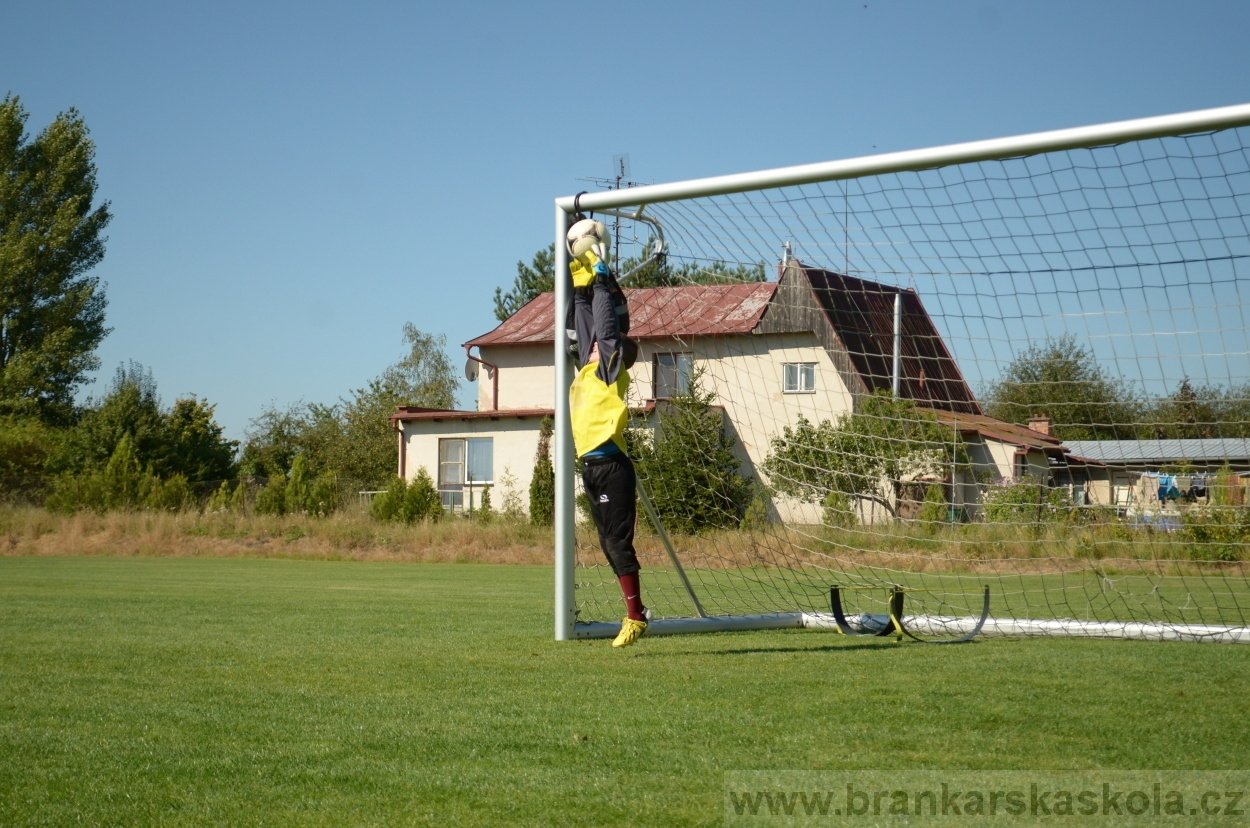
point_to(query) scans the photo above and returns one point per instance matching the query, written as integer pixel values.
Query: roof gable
(861, 313)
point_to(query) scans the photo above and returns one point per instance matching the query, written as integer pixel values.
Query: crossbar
(922, 159)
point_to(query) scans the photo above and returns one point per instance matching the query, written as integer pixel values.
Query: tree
(531, 280)
(273, 439)
(864, 455)
(354, 438)
(51, 311)
(543, 483)
(1202, 411)
(185, 440)
(1061, 379)
(664, 273)
(26, 446)
(195, 446)
(688, 464)
(130, 408)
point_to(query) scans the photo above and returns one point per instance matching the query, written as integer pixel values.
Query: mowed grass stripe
(196, 691)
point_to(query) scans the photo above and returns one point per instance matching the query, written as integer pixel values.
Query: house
(811, 344)
(1123, 465)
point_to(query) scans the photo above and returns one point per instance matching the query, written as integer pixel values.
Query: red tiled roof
(654, 313)
(407, 413)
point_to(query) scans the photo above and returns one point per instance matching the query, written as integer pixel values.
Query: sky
(292, 182)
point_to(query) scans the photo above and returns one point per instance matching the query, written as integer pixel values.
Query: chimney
(1041, 424)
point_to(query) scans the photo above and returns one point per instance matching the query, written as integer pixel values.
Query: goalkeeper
(598, 413)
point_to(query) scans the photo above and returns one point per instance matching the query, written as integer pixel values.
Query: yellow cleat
(631, 631)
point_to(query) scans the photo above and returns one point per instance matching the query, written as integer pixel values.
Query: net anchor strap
(895, 627)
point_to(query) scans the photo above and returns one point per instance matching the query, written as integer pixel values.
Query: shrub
(1024, 500)
(866, 454)
(756, 515)
(219, 500)
(421, 500)
(271, 499)
(485, 512)
(543, 485)
(935, 510)
(837, 511)
(688, 465)
(1221, 533)
(323, 496)
(238, 500)
(120, 485)
(387, 504)
(172, 494)
(295, 497)
(407, 502)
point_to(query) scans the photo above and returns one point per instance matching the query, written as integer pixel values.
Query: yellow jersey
(597, 411)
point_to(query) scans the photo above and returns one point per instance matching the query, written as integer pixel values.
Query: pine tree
(543, 484)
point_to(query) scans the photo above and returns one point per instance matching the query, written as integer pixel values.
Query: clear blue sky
(291, 182)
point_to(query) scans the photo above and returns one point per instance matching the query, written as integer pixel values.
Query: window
(672, 375)
(799, 378)
(464, 465)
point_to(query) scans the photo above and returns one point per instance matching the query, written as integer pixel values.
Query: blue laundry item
(1167, 487)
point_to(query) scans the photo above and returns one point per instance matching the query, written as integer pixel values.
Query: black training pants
(609, 485)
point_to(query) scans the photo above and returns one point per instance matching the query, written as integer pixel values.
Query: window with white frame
(798, 378)
(672, 375)
(465, 466)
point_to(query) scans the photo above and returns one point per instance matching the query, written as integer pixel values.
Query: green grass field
(244, 692)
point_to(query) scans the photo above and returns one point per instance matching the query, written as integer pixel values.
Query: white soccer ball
(589, 234)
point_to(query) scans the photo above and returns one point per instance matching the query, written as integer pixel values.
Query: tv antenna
(619, 180)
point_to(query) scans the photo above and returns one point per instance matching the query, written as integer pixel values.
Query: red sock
(632, 591)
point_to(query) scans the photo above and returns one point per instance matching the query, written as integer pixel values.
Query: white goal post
(638, 203)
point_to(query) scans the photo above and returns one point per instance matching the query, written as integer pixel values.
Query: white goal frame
(638, 198)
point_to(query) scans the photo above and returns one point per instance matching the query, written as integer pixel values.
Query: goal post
(910, 292)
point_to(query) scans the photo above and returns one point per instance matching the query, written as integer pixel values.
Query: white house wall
(515, 442)
(745, 375)
(526, 378)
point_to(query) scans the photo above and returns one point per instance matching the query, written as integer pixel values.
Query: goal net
(871, 391)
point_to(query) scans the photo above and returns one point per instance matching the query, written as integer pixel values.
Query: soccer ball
(589, 234)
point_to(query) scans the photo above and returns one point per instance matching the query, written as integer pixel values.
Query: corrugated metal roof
(862, 314)
(654, 313)
(1208, 450)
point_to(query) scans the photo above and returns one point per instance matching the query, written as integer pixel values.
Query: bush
(323, 496)
(756, 515)
(688, 465)
(408, 502)
(543, 485)
(120, 485)
(1024, 500)
(173, 494)
(935, 510)
(485, 512)
(295, 497)
(387, 505)
(26, 446)
(421, 501)
(271, 499)
(837, 511)
(1221, 533)
(219, 500)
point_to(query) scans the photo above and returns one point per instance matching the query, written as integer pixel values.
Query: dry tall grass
(347, 535)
